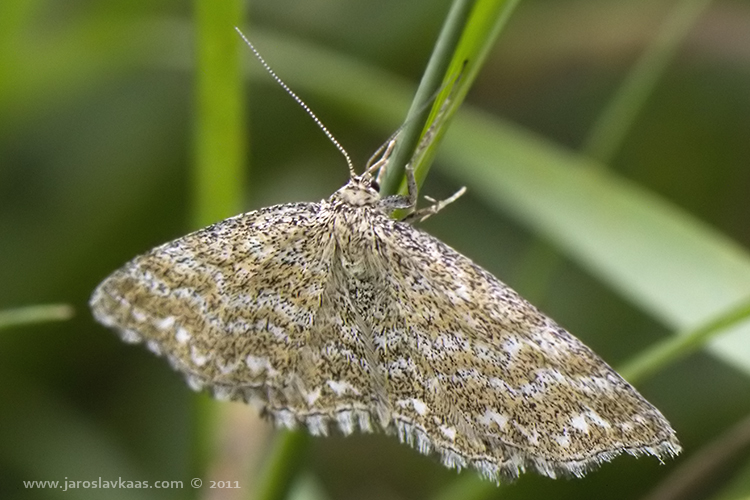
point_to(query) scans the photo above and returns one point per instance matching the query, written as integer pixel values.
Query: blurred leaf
(46, 440)
(738, 487)
(282, 466)
(307, 487)
(676, 268)
(618, 116)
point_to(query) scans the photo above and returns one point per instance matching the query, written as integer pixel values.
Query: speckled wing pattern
(333, 315)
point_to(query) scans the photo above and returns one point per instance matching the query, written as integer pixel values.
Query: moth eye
(374, 185)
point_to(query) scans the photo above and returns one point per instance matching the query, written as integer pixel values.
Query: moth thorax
(356, 268)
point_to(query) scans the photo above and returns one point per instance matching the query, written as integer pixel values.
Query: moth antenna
(300, 102)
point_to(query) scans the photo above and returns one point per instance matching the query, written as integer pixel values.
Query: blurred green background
(97, 112)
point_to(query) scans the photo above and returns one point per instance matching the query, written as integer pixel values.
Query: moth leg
(380, 165)
(400, 202)
(411, 184)
(435, 207)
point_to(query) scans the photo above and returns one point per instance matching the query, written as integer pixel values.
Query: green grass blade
(432, 79)
(220, 142)
(483, 25)
(610, 129)
(286, 457)
(665, 352)
(30, 315)
(220, 132)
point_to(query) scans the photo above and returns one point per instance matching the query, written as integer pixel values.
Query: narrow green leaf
(432, 79)
(287, 454)
(665, 352)
(485, 21)
(35, 314)
(220, 148)
(221, 137)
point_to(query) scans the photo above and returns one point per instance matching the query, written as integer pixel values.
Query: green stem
(680, 345)
(432, 78)
(220, 149)
(282, 465)
(220, 131)
(479, 25)
(30, 315)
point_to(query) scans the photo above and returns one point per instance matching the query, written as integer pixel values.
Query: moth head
(361, 190)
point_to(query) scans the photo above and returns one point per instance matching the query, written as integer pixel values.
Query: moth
(333, 315)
